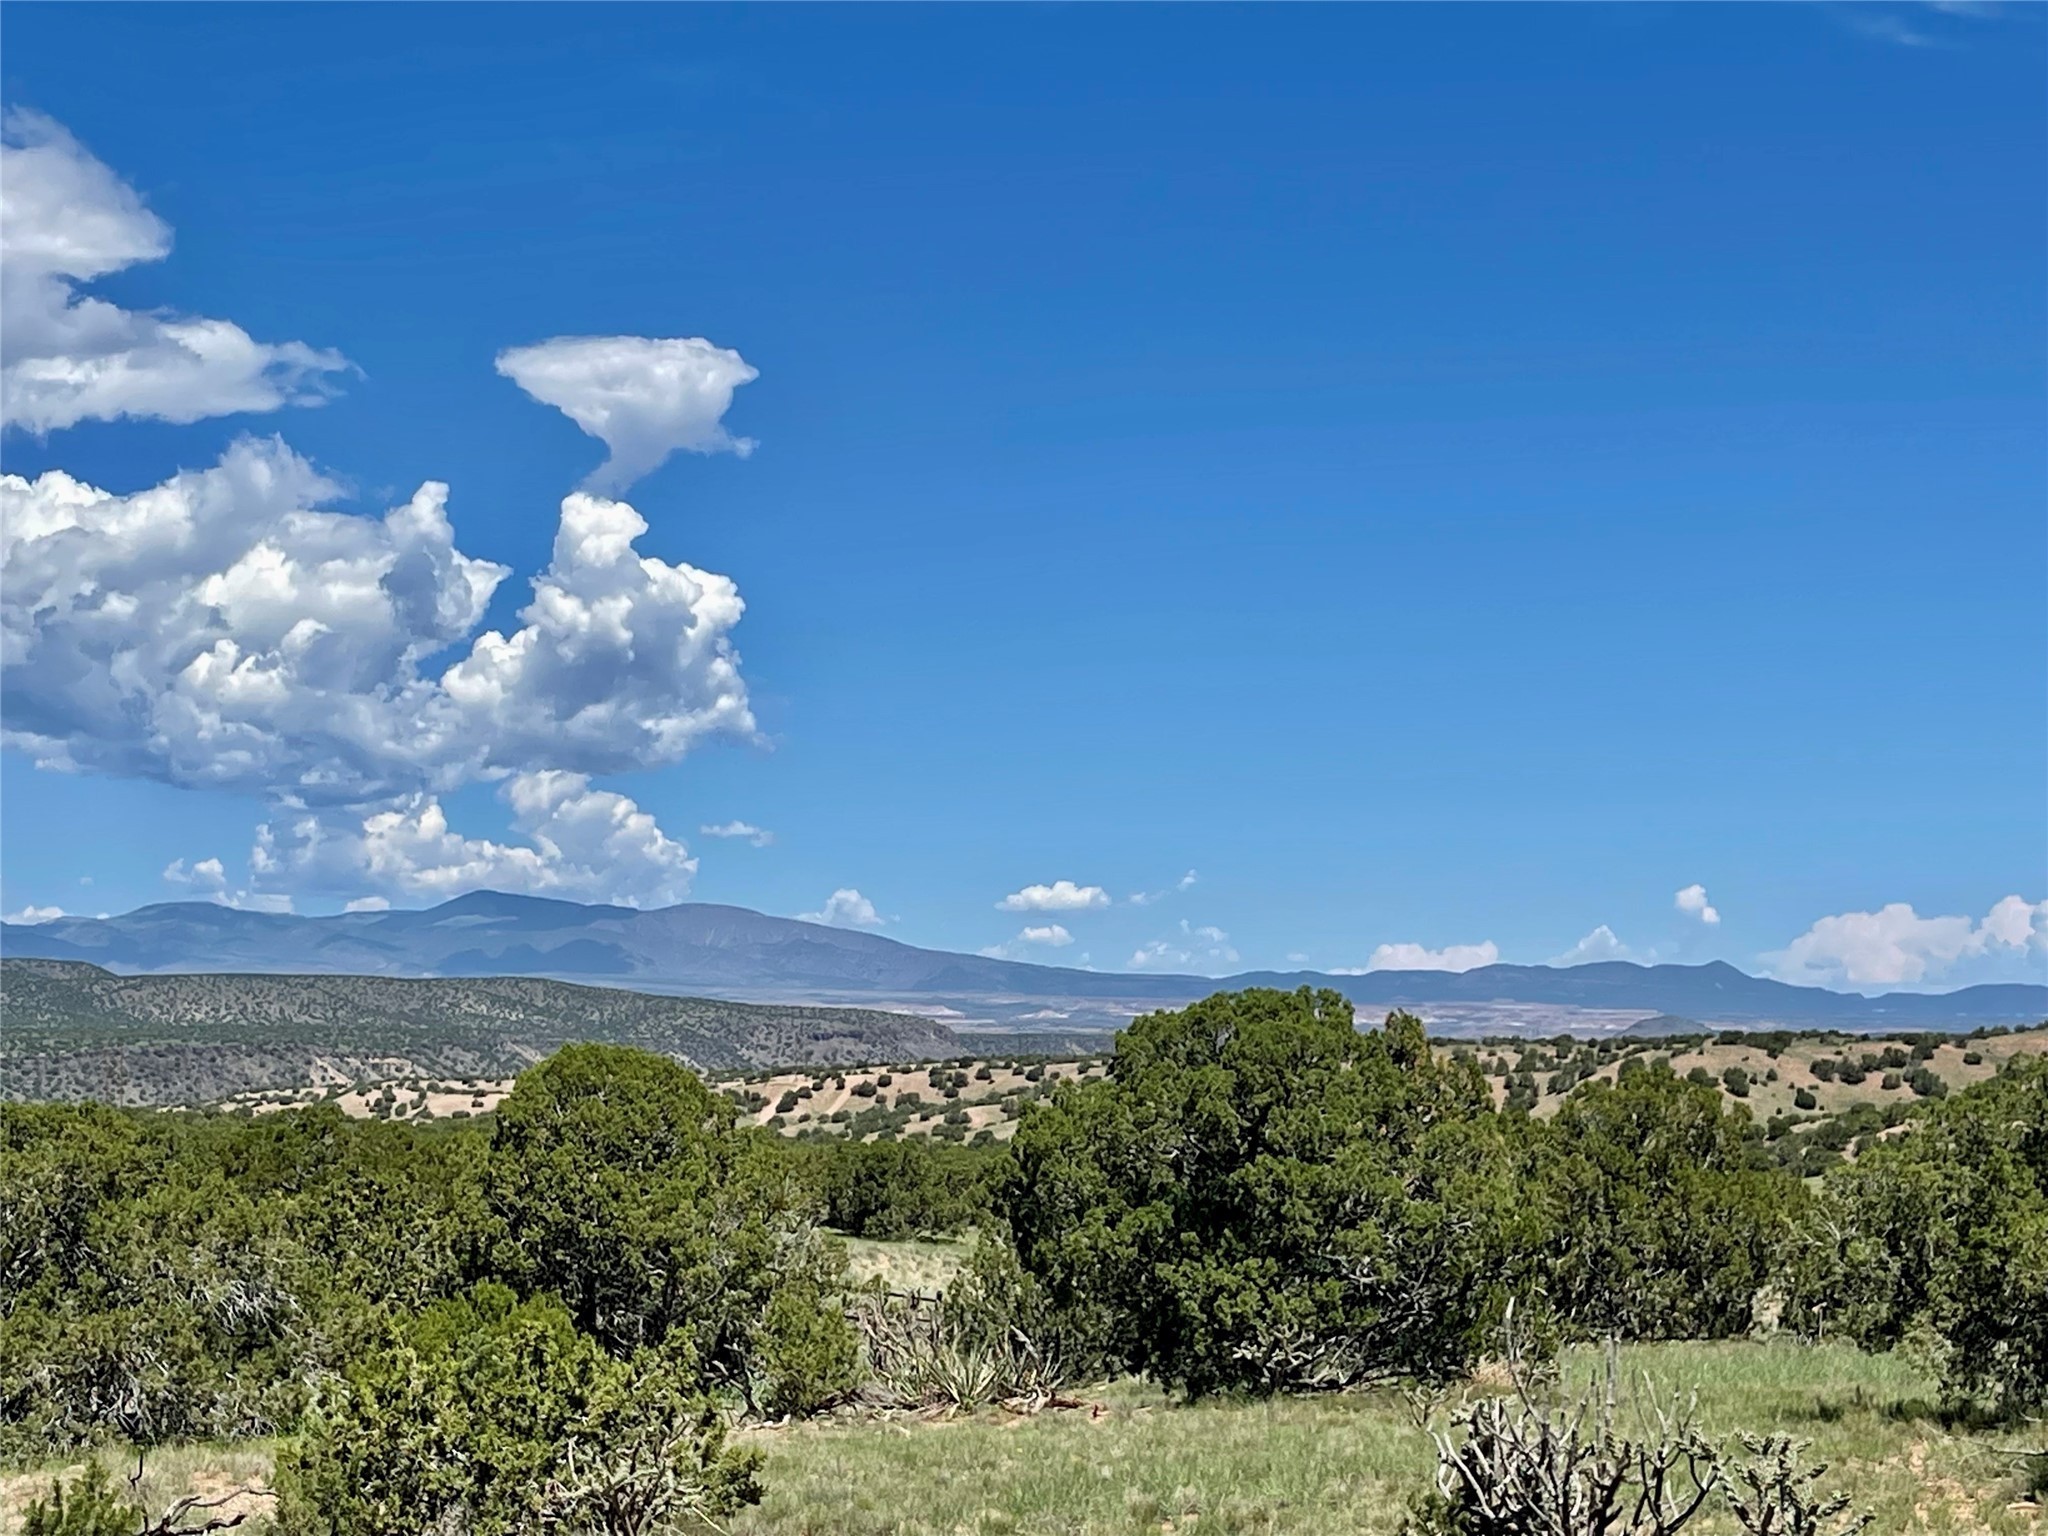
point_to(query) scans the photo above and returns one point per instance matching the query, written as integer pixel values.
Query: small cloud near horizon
(845, 908)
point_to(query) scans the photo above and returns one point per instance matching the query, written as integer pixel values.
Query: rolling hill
(77, 1031)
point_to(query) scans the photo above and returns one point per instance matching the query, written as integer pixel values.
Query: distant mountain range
(735, 953)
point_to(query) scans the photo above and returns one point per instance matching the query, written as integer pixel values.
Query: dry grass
(169, 1473)
(918, 1265)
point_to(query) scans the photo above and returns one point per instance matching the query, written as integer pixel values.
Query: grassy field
(1133, 1463)
(920, 1264)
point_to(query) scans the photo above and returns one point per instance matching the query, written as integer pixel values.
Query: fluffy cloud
(209, 878)
(760, 837)
(1895, 946)
(1048, 936)
(642, 397)
(204, 875)
(227, 629)
(368, 904)
(1197, 947)
(1060, 896)
(32, 915)
(223, 630)
(1413, 957)
(220, 630)
(845, 908)
(1693, 900)
(623, 661)
(65, 220)
(1600, 944)
(579, 842)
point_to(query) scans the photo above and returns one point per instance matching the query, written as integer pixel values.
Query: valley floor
(1132, 1463)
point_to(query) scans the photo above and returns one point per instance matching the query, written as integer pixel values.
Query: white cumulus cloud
(209, 878)
(760, 837)
(845, 908)
(1693, 901)
(222, 630)
(31, 915)
(1046, 936)
(642, 397)
(1060, 896)
(65, 220)
(1600, 944)
(368, 904)
(203, 874)
(578, 843)
(225, 630)
(1414, 957)
(1896, 946)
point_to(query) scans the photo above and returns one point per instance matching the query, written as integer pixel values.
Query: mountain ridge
(743, 954)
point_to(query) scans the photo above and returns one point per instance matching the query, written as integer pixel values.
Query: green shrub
(1805, 1098)
(805, 1350)
(498, 1418)
(1665, 1224)
(1258, 1197)
(898, 1189)
(617, 1181)
(1942, 1235)
(86, 1506)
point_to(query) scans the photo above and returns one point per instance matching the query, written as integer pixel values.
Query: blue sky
(1449, 477)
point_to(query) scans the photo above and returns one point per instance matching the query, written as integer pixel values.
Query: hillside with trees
(75, 1031)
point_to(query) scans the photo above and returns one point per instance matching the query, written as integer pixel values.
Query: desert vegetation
(76, 1032)
(1256, 1270)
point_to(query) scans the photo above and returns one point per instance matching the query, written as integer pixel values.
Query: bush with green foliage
(616, 1181)
(1661, 1220)
(182, 1276)
(1940, 1237)
(898, 1189)
(85, 1506)
(493, 1417)
(1259, 1197)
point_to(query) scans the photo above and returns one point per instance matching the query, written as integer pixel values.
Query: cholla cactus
(1772, 1495)
(1524, 1468)
(1529, 1465)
